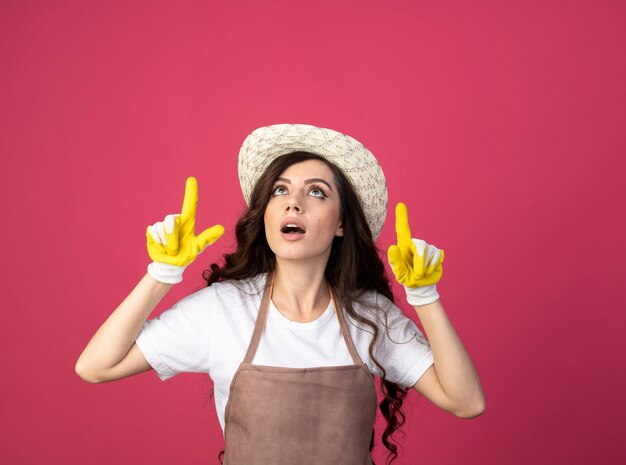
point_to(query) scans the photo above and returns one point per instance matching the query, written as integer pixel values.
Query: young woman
(295, 324)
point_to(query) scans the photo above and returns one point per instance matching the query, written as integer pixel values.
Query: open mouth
(292, 230)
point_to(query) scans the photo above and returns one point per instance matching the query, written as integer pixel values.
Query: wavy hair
(354, 266)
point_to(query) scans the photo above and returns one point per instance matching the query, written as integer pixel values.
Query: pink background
(499, 124)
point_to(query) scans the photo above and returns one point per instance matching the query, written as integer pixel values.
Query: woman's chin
(299, 248)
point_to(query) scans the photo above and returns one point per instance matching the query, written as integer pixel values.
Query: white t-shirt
(209, 332)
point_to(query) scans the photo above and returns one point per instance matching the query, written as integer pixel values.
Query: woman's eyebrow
(308, 181)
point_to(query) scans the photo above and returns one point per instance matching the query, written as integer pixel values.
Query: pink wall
(499, 124)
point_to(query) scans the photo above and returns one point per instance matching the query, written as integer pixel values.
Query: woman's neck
(300, 294)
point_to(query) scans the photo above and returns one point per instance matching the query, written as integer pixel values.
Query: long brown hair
(354, 266)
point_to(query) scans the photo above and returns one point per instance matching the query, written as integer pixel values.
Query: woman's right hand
(172, 243)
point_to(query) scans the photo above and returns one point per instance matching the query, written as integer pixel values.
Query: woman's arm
(113, 341)
(453, 370)
(452, 383)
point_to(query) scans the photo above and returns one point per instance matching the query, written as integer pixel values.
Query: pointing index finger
(190, 201)
(402, 226)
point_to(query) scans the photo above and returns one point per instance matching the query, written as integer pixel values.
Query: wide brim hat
(359, 165)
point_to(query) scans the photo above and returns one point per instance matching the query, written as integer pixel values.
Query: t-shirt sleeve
(403, 350)
(179, 339)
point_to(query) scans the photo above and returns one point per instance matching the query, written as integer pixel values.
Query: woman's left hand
(416, 264)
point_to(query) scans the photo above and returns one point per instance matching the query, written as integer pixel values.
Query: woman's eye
(319, 190)
(320, 193)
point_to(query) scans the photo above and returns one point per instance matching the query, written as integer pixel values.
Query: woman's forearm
(115, 337)
(455, 369)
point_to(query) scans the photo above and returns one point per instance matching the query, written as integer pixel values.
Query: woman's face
(304, 194)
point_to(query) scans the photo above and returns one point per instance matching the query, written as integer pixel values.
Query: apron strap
(346, 333)
(260, 319)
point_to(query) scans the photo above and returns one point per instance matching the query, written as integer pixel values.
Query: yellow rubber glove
(173, 244)
(416, 264)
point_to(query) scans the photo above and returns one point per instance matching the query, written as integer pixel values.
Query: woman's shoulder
(233, 289)
(376, 306)
(371, 297)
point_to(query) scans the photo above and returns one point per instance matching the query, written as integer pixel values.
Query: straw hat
(265, 144)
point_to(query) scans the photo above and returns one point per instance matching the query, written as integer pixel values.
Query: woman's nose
(293, 203)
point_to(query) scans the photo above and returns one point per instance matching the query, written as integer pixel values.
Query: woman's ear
(339, 231)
